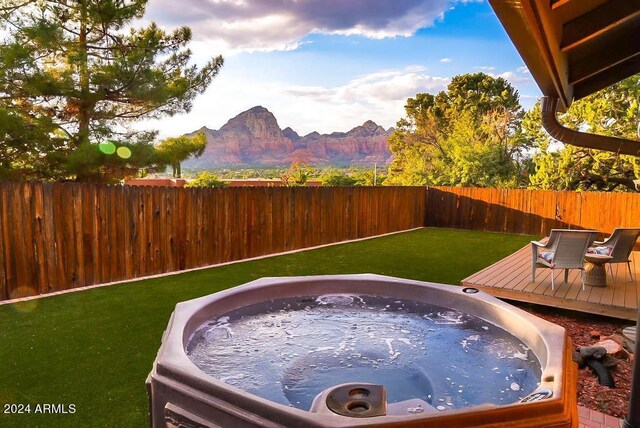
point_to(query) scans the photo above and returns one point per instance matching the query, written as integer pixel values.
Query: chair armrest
(604, 242)
(597, 243)
(538, 244)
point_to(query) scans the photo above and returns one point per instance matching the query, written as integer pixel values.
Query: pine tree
(75, 75)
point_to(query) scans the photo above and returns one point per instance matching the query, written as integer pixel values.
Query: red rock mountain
(254, 138)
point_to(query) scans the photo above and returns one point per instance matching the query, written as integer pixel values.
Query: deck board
(510, 278)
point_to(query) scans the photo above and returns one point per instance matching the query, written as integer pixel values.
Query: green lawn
(94, 348)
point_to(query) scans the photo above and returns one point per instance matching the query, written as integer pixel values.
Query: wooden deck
(510, 278)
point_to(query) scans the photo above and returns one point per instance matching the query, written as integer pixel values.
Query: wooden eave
(574, 48)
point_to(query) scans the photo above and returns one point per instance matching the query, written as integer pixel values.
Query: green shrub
(338, 179)
(207, 179)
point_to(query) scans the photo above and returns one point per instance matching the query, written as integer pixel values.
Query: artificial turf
(94, 349)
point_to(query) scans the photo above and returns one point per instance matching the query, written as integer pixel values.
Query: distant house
(160, 182)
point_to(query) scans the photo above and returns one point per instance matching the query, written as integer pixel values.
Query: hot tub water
(289, 350)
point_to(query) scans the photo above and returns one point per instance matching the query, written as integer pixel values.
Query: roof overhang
(574, 48)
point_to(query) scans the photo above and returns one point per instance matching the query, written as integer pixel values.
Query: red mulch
(592, 395)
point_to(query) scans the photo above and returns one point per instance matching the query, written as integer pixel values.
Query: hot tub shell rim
(172, 360)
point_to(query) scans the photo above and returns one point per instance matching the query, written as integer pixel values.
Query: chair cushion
(547, 255)
(603, 251)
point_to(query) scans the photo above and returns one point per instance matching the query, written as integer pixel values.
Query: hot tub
(357, 350)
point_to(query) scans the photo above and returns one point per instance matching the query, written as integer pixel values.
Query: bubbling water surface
(290, 350)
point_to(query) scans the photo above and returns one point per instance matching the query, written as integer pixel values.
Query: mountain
(254, 138)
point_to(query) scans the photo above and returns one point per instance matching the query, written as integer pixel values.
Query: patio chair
(619, 246)
(565, 249)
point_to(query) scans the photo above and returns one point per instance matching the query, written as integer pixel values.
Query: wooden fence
(532, 212)
(65, 235)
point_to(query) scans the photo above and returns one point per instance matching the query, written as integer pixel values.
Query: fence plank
(6, 262)
(20, 231)
(39, 238)
(77, 233)
(104, 238)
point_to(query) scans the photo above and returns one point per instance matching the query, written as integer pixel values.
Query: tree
(26, 148)
(612, 111)
(367, 177)
(467, 135)
(333, 177)
(72, 73)
(297, 174)
(176, 150)
(207, 179)
(113, 161)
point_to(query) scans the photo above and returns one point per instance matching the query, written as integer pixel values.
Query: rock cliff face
(254, 138)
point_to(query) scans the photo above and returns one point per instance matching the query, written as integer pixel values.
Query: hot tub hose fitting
(604, 376)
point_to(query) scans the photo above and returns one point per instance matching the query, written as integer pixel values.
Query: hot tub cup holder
(541, 394)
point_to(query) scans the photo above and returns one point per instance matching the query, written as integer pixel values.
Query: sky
(331, 65)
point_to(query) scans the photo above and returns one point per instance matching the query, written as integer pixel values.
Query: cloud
(446, 60)
(523, 70)
(512, 77)
(282, 24)
(378, 96)
(416, 68)
(380, 87)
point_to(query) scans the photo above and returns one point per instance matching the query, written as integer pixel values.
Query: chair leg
(553, 285)
(566, 276)
(533, 273)
(582, 274)
(611, 272)
(629, 266)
